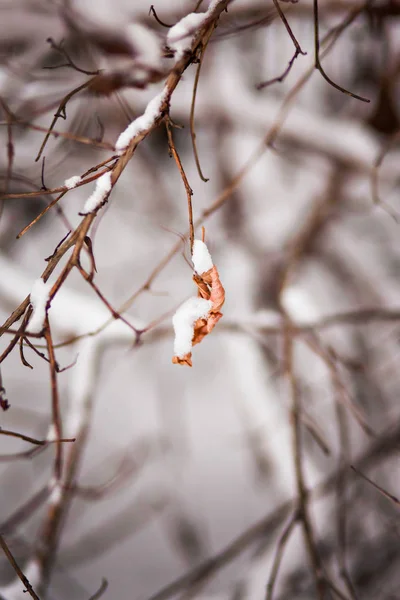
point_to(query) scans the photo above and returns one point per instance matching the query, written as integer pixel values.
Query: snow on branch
(39, 298)
(180, 36)
(72, 182)
(142, 123)
(103, 187)
(201, 257)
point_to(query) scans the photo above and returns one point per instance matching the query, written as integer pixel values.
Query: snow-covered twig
(180, 36)
(72, 182)
(142, 123)
(39, 298)
(103, 187)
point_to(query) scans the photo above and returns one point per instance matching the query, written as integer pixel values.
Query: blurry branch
(343, 505)
(25, 511)
(70, 63)
(342, 394)
(4, 404)
(118, 527)
(102, 589)
(56, 133)
(10, 145)
(384, 445)
(77, 423)
(377, 166)
(128, 469)
(297, 451)
(315, 433)
(280, 548)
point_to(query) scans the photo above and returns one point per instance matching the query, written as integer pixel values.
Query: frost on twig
(38, 298)
(72, 182)
(198, 316)
(142, 123)
(96, 199)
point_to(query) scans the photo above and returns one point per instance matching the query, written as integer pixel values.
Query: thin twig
(70, 63)
(318, 61)
(283, 75)
(61, 113)
(31, 440)
(378, 487)
(152, 11)
(193, 104)
(189, 191)
(17, 569)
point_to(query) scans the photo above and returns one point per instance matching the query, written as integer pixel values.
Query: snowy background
(179, 462)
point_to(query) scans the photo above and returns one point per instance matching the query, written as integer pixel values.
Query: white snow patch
(183, 322)
(142, 123)
(201, 257)
(180, 36)
(103, 186)
(38, 298)
(72, 181)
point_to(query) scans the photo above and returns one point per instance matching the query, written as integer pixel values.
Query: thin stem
(192, 108)
(318, 62)
(189, 191)
(17, 569)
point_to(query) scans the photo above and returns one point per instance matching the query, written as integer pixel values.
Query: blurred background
(192, 475)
